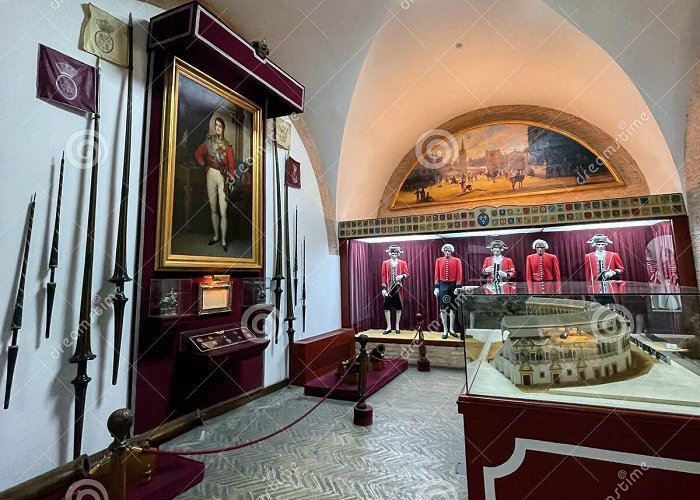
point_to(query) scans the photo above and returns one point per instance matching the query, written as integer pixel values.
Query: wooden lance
(53, 259)
(303, 285)
(83, 350)
(19, 305)
(288, 268)
(296, 254)
(278, 239)
(120, 275)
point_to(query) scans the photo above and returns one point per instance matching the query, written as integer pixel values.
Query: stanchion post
(362, 411)
(119, 423)
(423, 361)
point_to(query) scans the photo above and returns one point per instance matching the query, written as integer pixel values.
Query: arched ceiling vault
(378, 73)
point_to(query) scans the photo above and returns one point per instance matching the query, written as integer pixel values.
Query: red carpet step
(348, 392)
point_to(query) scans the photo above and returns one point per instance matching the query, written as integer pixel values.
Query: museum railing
(611, 343)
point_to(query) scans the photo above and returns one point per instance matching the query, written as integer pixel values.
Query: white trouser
(216, 190)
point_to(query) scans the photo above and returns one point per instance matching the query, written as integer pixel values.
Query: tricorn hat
(394, 248)
(497, 244)
(541, 243)
(599, 238)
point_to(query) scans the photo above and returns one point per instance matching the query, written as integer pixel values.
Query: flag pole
(83, 350)
(120, 275)
(278, 239)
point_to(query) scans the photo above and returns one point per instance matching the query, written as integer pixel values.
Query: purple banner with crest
(65, 80)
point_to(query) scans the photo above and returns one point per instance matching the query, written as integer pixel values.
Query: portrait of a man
(210, 199)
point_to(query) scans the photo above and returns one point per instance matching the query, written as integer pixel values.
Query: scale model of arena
(563, 341)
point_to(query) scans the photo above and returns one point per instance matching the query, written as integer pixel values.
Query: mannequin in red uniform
(542, 266)
(448, 276)
(602, 264)
(498, 268)
(394, 272)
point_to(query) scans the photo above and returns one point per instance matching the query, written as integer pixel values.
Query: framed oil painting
(210, 192)
(501, 160)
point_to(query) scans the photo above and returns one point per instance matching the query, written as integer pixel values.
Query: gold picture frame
(214, 297)
(210, 190)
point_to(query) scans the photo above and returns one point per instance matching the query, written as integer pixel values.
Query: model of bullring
(562, 341)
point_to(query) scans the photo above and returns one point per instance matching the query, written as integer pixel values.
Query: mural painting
(502, 160)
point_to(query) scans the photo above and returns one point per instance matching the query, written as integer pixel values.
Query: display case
(257, 310)
(215, 364)
(633, 344)
(170, 298)
(577, 379)
(256, 291)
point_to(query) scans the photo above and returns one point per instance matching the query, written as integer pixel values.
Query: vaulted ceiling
(379, 73)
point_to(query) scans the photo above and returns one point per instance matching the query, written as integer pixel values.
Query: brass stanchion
(124, 465)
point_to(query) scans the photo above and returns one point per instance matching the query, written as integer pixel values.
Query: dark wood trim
(684, 251)
(49, 482)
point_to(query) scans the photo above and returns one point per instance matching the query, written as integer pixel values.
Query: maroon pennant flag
(65, 80)
(292, 173)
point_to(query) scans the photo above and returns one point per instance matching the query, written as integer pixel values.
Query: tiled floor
(413, 450)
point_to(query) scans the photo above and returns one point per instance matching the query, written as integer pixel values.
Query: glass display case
(256, 291)
(170, 298)
(608, 343)
(257, 307)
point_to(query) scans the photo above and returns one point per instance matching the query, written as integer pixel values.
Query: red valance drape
(365, 258)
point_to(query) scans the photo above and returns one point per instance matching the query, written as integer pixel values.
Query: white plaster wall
(322, 269)
(635, 32)
(36, 431)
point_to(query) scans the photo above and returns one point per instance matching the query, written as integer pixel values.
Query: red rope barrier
(255, 441)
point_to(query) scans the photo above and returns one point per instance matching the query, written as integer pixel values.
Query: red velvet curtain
(366, 306)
